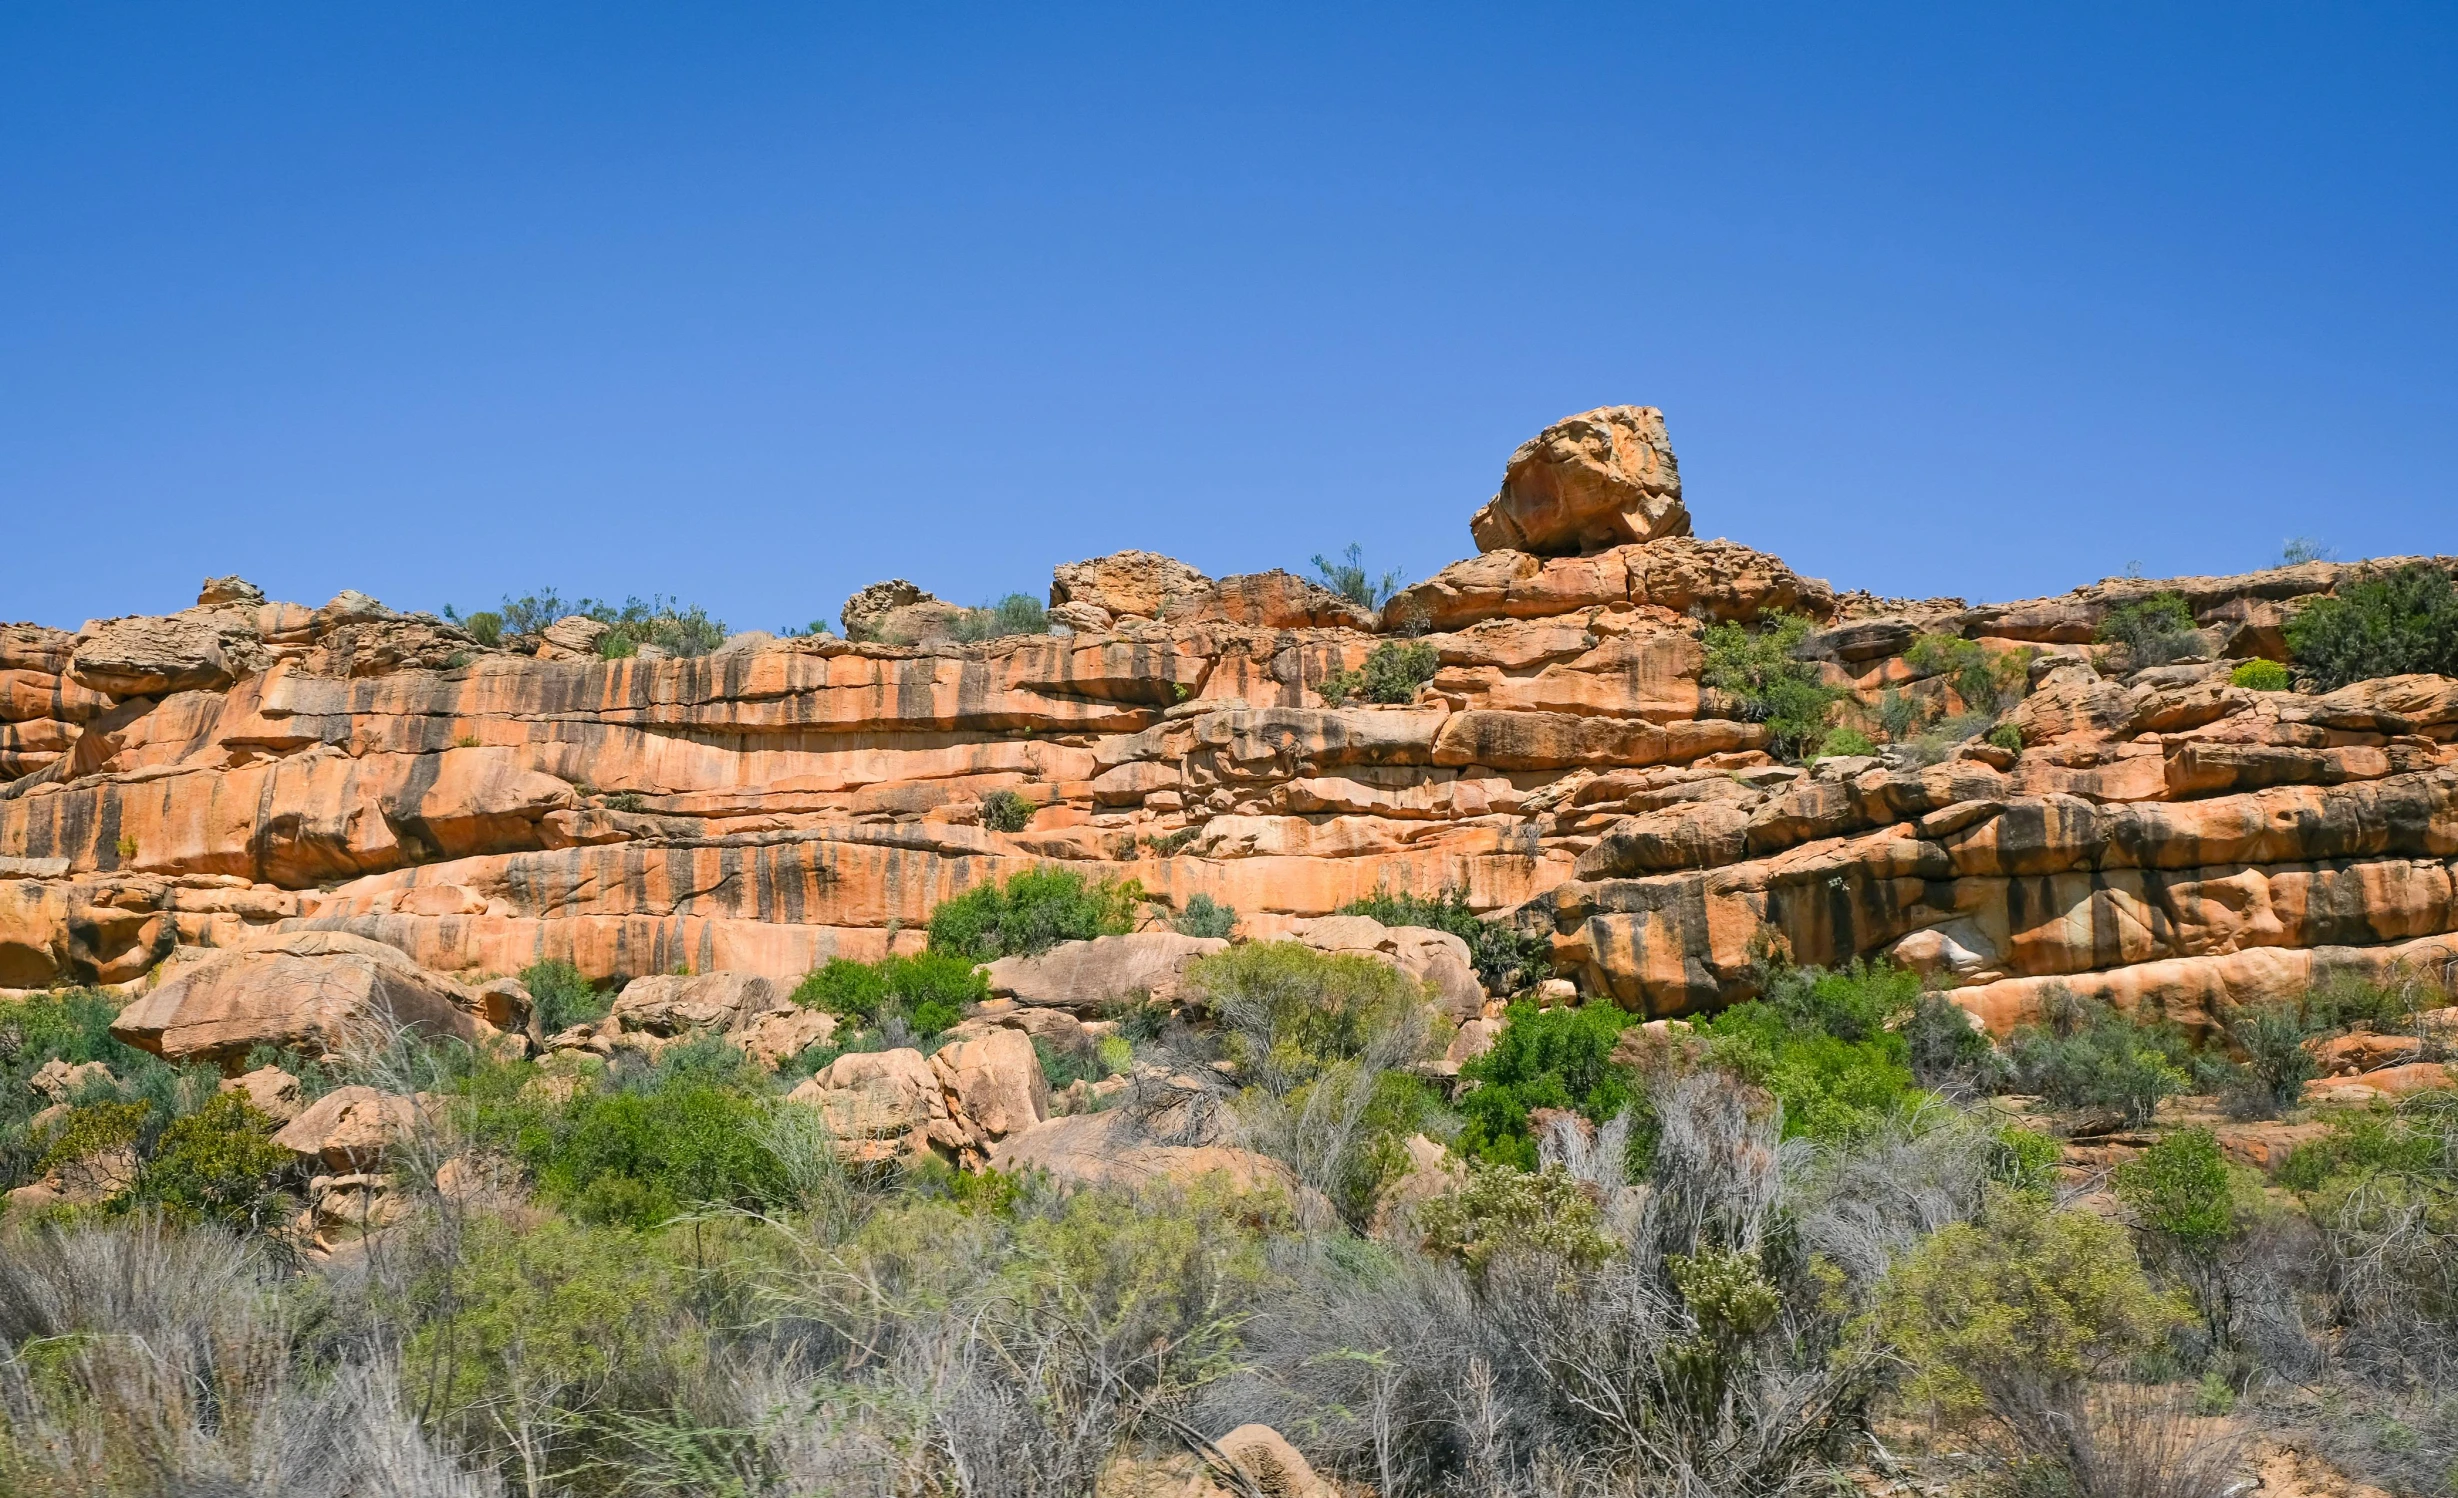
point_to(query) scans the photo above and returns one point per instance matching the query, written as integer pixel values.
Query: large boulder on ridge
(1599, 479)
(1126, 584)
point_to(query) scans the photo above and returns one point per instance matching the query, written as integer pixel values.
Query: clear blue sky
(756, 305)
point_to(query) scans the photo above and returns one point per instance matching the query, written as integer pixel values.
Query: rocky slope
(2162, 836)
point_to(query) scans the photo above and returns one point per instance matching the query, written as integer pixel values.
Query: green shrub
(91, 1129)
(1499, 1210)
(1762, 681)
(1987, 683)
(2277, 1065)
(219, 1164)
(928, 992)
(1031, 913)
(667, 623)
(1832, 1089)
(637, 1158)
(561, 996)
(1942, 1045)
(1007, 811)
(2260, 676)
(1205, 916)
(2029, 1300)
(1392, 673)
(1015, 614)
(553, 1312)
(1321, 1045)
(1859, 1001)
(2007, 737)
(485, 626)
(2401, 623)
(1544, 1058)
(2086, 1055)
(2181, 1189)
(1348, 578)
(1507, 960)
(1846, 741)
(1899, 713)
(2154, 630)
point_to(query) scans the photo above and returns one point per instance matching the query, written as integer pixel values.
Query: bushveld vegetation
(1755, 670)
(1614, 1258)
(669, 624)
(2405, 621)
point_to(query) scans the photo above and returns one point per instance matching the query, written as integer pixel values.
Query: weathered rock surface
(188, 785)
(310, 990)
(1598, 479)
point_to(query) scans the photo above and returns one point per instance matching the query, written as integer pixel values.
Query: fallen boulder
(307, 990)
(1103, 973)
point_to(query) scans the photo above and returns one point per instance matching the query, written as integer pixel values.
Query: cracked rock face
(182, 788)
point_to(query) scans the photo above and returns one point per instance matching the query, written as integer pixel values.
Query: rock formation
(249, 777)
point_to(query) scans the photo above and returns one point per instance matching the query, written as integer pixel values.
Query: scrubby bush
(1845, 741)
(1945, 1049)
(71, 1025)
(1989, 683)
(562, 996)
(1032, 912)
(485, 626)
(1392, 673)
(2016, 1314)
(2383, 1190)
(2153, 630)
(1015, 614)
(1501, 1210)
(1007, 811)
(925, 993)
(1544, 1058)
(1507, 960)
(1348, 578)
(638, 1157)
(2403, 622)
(1320, 1047)
(219, 1163)
(2277, 1064)
(1832, 1089)
(2260, 676)
(2086, 1055)
(667, 623)
(1761, 680)
(1205, 916)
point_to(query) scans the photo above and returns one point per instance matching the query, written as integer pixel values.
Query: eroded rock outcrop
(177, 790)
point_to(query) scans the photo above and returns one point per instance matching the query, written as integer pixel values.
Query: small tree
(1348, 578)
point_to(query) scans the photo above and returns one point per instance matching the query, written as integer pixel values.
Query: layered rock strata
(246, 768)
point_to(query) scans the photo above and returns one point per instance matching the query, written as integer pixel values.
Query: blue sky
(755, 305)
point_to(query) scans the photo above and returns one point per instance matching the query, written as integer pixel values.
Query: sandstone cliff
(2161, 835)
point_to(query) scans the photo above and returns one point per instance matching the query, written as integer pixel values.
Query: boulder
(896, 612)
(1104, 973)
(308, 990)
(271, 1091)
(673, 1004)
(149, 655)
(993, 1084)
(1433, 957)
(572, 637)
(59, 1081)
(350, 1128)
(1271, 600)
(1602, 478)
(1132, 584)
(1274, 1466)
(232, 589)
(1055, 1028)
(1474, 1039)
(778, 1036)
(1110, 1148)
(881, 1105)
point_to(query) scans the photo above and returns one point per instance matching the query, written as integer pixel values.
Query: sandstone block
(993, 1084)
(269, 1090)
(350, 1128)
(306, 989)
(1110, 1148)
(672, 1005)
(1088, 977)
(1138, 584)
(1602, 478)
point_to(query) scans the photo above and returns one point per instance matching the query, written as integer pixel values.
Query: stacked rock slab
(249, 768)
